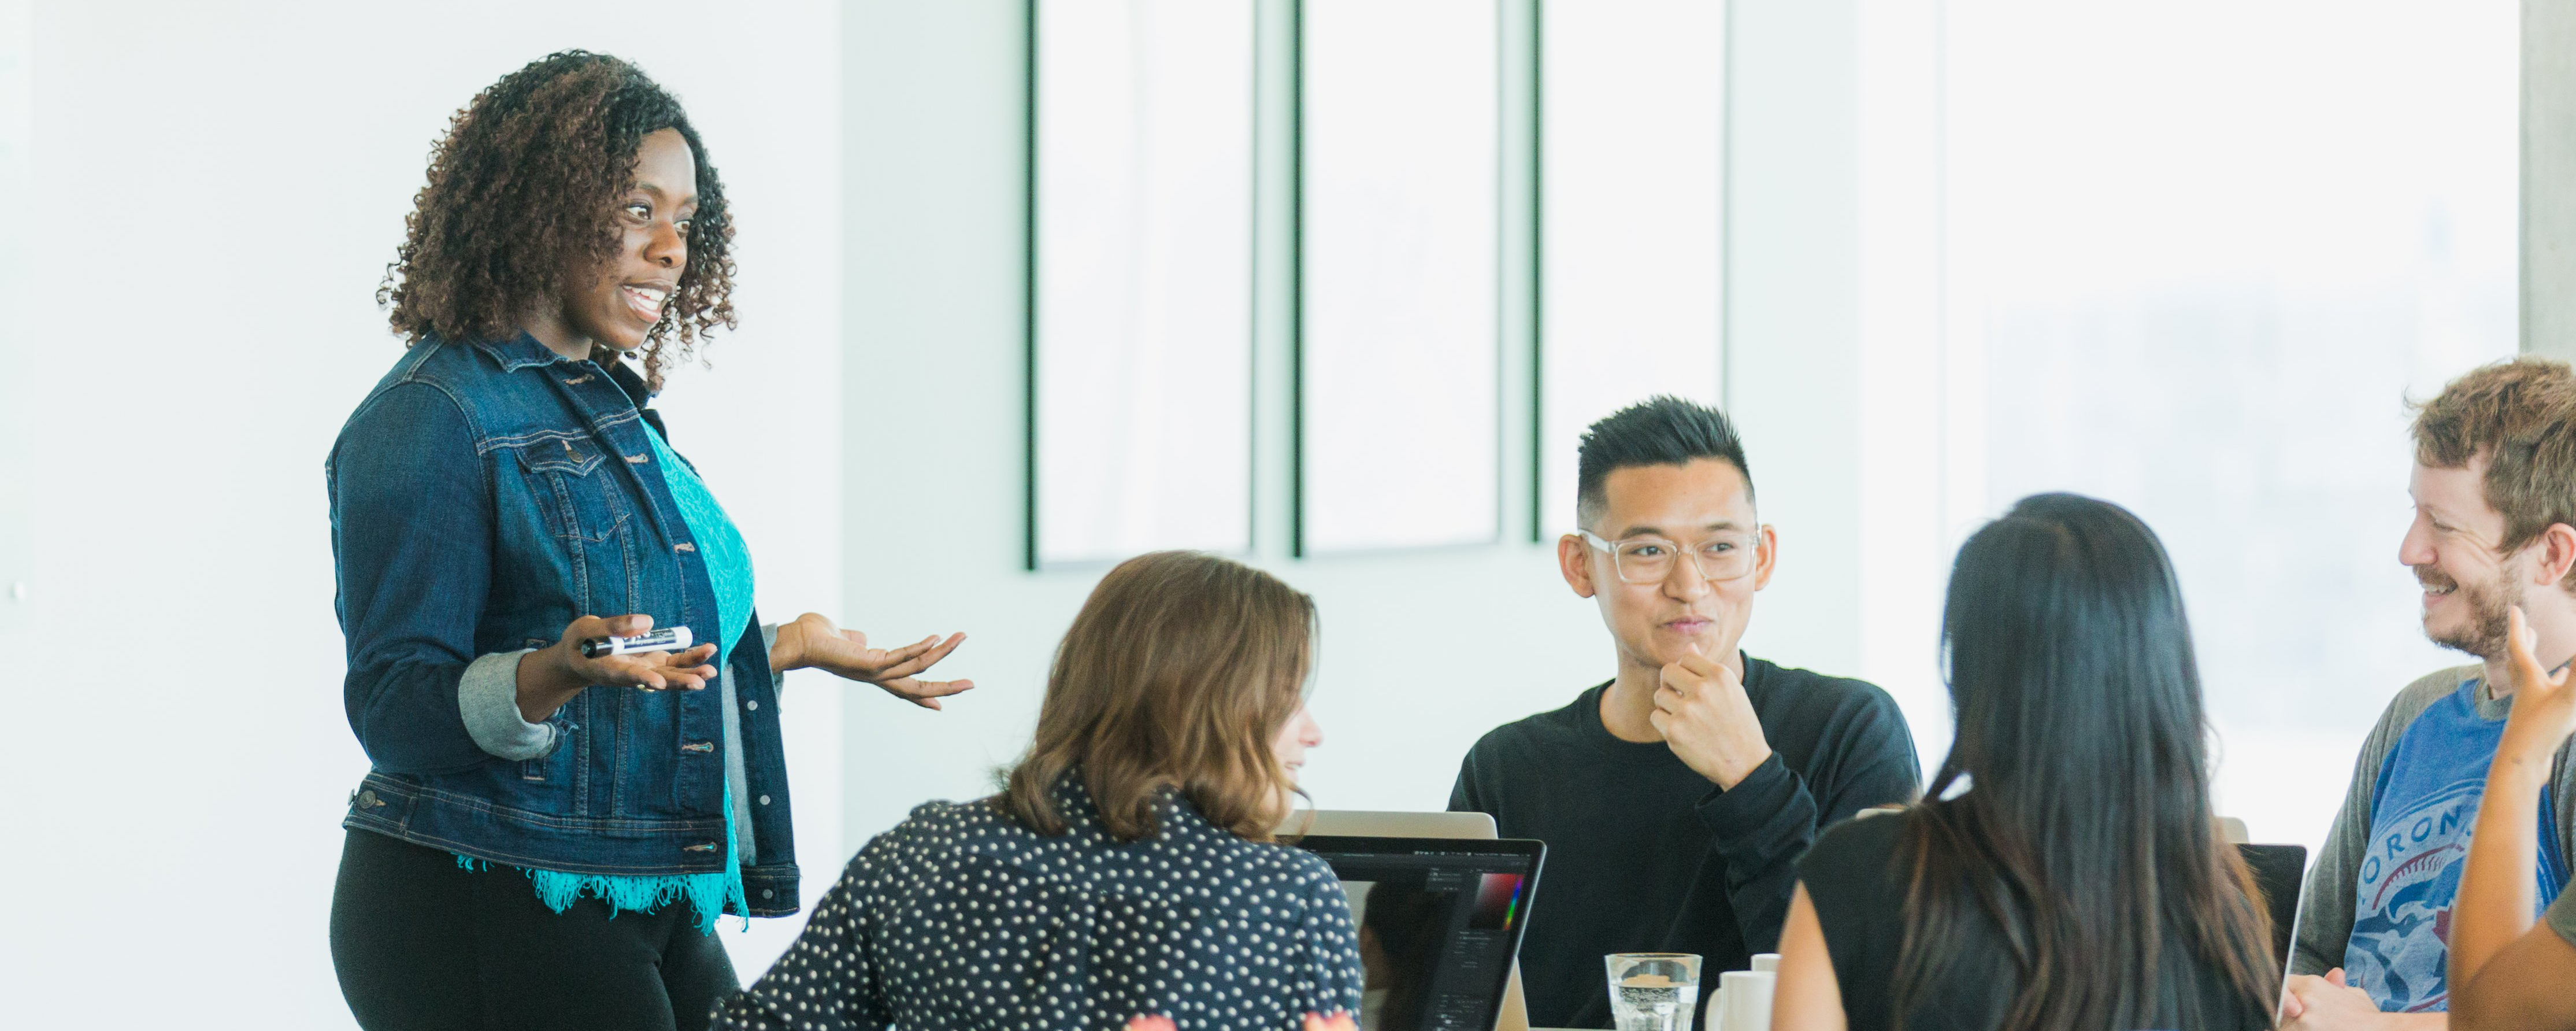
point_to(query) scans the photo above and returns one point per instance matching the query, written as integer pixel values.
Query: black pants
(420, 943)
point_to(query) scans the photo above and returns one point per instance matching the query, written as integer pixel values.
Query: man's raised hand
(1704, 716)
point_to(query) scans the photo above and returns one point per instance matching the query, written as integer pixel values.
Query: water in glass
(1654, 992)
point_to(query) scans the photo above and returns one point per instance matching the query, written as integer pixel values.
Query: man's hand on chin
(2328, 1004)
(1702, 712)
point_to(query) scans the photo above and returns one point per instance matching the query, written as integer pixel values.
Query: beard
(2489, 606)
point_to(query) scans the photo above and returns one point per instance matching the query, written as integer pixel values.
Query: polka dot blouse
(961, 918)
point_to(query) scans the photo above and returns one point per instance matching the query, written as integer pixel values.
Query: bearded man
(2495, 496)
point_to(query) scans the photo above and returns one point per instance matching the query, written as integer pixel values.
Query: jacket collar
(632, 382)
(520, 352)
(524, 351)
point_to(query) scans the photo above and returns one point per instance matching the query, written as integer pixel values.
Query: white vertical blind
(1144, 276)
(1400, 373)
(1632, 121)
(17, 139)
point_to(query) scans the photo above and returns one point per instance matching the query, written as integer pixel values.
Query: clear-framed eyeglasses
(1649, 560)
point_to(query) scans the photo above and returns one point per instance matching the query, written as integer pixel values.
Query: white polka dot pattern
(961, 918)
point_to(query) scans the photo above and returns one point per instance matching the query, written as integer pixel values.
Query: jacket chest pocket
(581, 506)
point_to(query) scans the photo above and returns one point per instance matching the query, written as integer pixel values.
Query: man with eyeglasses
(1676, 798)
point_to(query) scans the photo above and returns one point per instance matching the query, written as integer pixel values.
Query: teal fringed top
(728, 562)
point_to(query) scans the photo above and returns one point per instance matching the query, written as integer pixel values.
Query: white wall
(1793, 311)
(1422, 651)
(17, 74)
(217, 189)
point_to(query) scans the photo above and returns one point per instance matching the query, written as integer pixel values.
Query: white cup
(1766, 962)
(1747, 994)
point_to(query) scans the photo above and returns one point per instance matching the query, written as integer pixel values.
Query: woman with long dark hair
(549, 831)
(2066, 872)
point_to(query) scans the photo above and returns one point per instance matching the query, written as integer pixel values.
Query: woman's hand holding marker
(551, 676)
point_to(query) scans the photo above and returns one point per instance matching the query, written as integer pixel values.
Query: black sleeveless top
(1858, 889)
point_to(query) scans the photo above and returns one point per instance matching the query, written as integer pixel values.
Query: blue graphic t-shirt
(2421, 815)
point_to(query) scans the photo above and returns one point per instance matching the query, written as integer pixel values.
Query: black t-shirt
(1859, 893)
(1646, 855)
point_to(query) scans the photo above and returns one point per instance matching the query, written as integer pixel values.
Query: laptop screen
(2279, 871)
(1439, 923)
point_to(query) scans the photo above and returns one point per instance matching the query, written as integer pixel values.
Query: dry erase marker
(667, 639)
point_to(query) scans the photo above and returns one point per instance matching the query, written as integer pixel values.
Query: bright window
(2197, 256)
(1632, 115)
(1143, 337)
(1401, 359)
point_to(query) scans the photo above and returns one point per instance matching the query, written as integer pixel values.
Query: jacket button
(753, 705)
(368, 800)
(764, 800)
(768, 894)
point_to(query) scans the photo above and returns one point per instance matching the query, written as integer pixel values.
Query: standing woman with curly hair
(506, 494)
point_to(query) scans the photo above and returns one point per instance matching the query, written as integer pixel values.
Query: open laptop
(1367, 823)
(2280, 872)
(1440, 923)
(1397, 824)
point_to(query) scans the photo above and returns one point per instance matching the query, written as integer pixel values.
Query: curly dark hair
(523, 189)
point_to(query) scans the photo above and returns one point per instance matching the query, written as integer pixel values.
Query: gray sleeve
(2562, 916)
(2562, 798)
(488, 697)
(2325, 912)
(768, 645)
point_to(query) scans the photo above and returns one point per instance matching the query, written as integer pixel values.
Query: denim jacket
(483, 496)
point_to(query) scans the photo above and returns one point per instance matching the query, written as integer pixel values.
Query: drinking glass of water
(1653, 991)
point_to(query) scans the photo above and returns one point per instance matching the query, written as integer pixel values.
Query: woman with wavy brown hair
(1126, 872)
(549, 831)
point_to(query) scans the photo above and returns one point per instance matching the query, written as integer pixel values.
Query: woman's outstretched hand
(813, 641)
(2497, 898)
(552, 676)
(2544, 702)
